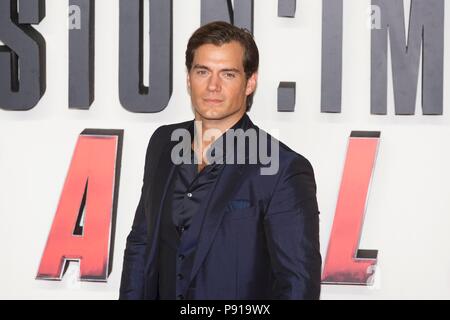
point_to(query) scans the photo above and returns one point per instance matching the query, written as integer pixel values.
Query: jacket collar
(226, 148)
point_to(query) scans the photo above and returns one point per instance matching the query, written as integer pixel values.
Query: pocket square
(238, 204)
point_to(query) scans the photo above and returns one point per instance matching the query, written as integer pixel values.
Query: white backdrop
(408, 212)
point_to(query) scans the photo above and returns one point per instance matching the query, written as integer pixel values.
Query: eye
(201, 72)
(229, 75)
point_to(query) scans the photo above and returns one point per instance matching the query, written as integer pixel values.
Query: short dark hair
(219, 33)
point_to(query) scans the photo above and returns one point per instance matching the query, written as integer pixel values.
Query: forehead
(230, 54)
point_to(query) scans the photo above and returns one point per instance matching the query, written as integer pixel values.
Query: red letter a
(84, 224)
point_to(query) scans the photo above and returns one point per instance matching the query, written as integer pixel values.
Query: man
(216, 227)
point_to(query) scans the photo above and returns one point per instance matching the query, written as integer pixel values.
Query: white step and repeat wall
(408, 209)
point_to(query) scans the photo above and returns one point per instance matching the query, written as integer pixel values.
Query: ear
(251, 84)
(188, 82)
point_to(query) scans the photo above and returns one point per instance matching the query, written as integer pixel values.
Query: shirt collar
(218, 149)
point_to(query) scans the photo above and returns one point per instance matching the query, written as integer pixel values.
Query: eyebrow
(200, 66)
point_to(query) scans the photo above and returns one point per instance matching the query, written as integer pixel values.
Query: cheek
(235, 89)
(240, 92)
(197, 87)
(195, 91)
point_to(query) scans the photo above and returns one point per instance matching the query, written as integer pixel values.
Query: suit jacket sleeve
(292, 231)
(132, 282)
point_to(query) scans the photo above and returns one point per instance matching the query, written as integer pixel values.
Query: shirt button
(189, 195)
(180, 276)
(181, 257)
(180, 297)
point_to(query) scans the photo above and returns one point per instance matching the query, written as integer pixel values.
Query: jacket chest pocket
(241, 213)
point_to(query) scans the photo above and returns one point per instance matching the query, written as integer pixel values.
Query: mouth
(213, 101)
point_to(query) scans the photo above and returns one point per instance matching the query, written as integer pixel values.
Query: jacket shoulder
(287, 156)
(291, 156)
(164, 132)
(159, 139)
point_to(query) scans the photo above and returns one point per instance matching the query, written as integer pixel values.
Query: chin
(212, 115)
(209, 114)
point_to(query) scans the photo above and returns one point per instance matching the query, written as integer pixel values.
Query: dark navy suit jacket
(260, 234)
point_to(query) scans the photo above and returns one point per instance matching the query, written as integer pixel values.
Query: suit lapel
(215, 211)
(164, 172)
(159, 184)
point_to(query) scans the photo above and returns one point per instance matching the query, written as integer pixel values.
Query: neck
(218, 124)
(208, 130)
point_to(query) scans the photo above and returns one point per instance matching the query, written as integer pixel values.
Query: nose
(214, 83)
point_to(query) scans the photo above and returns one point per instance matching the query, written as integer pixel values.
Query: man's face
(217, 82)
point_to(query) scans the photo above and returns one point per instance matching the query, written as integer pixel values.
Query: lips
(213, 101)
